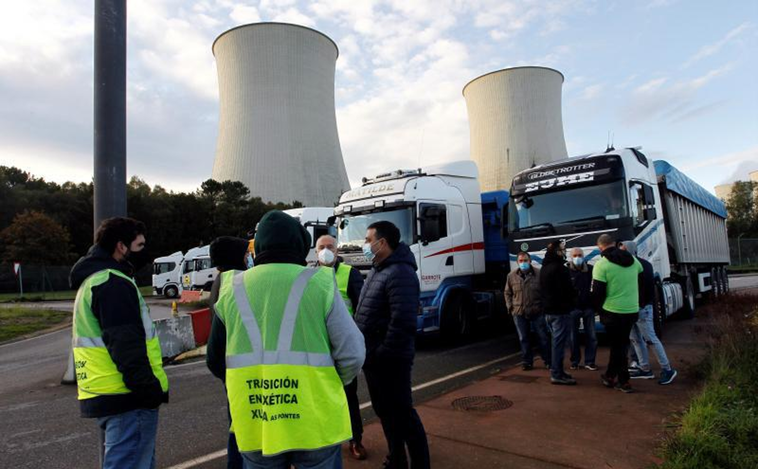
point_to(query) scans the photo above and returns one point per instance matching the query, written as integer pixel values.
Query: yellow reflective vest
(96, 373)
(343, 279)
(283, 388)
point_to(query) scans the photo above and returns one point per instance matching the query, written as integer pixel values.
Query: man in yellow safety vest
(119, 370)
(350, 284)
(291, 346)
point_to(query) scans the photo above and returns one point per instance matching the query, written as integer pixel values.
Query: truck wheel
(171, 291)
(659, 311)
(688, 310)
(455, 322)
(724, 280)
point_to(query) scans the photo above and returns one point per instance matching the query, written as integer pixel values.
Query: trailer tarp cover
(678, 182)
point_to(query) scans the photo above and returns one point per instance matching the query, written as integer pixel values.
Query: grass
(18, 321)
(52, 296)
(720, 427)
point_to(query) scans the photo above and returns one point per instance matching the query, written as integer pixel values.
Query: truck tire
(715, 284)
(688, 290)
(724, 280)
(456, 321)
(171, 291)
(659, 311)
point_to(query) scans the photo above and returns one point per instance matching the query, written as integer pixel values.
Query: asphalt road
(40, 424)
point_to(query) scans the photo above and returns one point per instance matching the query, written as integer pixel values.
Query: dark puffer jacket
(555, 282)
(388, 308)
(582, 280)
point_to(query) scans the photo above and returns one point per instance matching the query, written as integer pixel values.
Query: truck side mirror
(332, 230)
(504, 222)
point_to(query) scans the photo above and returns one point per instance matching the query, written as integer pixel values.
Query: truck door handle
(450, 260)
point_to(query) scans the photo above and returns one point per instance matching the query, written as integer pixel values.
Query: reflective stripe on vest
(96, 373)
(281, 399)
(343, 278)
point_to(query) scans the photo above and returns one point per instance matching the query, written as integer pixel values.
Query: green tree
(742, 208)
(35, 238)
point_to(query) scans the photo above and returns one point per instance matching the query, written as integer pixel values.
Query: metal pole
(20, 282)
(110, 109)
(110, 121)
(739, 250)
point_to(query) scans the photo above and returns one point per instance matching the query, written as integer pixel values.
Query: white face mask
(326, 257)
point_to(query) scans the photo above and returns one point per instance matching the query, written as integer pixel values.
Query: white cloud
(593, 91)
(729, 159)
(243, 14)
(710, 49)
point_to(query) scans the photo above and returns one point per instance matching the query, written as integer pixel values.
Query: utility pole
(110, 121)
(739, 251)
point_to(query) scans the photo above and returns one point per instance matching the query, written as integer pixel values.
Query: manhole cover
(481, 403)
(519, 378)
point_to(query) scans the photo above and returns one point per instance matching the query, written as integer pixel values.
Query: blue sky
(676, 77)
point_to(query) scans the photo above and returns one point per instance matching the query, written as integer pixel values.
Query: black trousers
(618, 326)
(351, 392)
(389, 384)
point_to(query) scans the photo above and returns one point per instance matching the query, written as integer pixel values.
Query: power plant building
(277, 125)
(515, 122)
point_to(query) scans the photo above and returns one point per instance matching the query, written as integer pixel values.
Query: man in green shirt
(616, 280)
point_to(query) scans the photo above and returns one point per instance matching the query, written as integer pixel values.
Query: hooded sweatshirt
(116, 307)
(581, 277)
(555, 283)
(616, 280)
(388, 308)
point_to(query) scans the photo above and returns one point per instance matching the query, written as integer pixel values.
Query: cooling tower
(514, 122)
(277, 126)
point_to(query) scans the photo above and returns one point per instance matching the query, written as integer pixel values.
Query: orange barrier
(201, 325)
(189, 296)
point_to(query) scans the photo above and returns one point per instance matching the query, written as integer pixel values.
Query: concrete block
(175, 334)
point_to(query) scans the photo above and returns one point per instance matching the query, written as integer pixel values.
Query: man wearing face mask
(524, 301)
(350, 284)
(558, 299)
(119, 368)
(386, 314)
(581, 277)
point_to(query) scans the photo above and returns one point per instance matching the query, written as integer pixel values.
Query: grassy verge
(18, 321)
(52, 296)
(720, 427)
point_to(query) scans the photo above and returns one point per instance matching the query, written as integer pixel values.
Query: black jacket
(116, 306)
(647, 285)
(388, 308)
(618, 257)
(555, 282)
(582, 280)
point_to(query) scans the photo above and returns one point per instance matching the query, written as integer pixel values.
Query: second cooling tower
(277, 125)
(515, 122)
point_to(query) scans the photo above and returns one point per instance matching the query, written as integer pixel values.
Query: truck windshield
(351, 232)
(581, 204)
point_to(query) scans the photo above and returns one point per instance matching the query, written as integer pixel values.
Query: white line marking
(365, 405)
(200, 460)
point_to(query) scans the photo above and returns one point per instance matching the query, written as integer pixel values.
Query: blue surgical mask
(578, 261)
(249, 261)
(368, 253)
(524, 265)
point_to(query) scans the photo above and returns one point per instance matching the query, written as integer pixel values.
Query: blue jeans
(524, 326)
(586, 316)
(560, 326)
(129, 439)
(324, 458)
(643, 333)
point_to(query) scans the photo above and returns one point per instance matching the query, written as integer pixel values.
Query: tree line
(742, 209)
(45, 223)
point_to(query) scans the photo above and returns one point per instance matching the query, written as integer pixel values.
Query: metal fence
(38, 279)
(743, 252)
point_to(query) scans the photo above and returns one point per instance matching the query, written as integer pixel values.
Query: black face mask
(138, 260)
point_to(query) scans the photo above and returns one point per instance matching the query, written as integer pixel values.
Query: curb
(59, 327)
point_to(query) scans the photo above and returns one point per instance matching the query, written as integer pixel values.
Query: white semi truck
(177, 272)
(453, 230)
(167, 275)
(678, 226)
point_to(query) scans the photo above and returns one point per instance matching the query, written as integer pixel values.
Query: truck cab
(316, 221)
(167, 275)
(438, 211)
(197, 273)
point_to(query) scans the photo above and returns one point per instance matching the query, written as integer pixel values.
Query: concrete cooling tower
(277, 126)
(515, 122)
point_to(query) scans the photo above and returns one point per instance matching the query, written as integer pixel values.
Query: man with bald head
(350, 284)
(583, 313)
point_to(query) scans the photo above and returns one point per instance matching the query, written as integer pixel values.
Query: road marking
(221, 453)
(35, 337)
